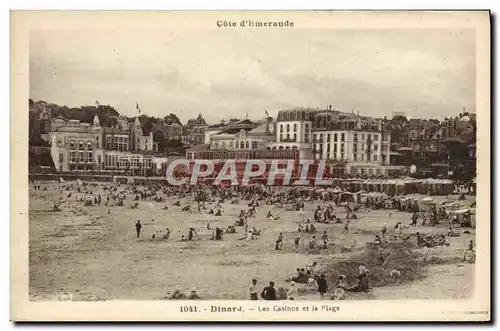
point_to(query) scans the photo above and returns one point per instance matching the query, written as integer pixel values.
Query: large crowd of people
(332, 208)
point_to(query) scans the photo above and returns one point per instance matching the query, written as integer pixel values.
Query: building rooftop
(200, 147)
(233, 131)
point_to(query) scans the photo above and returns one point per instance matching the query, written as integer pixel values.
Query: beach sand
(96, 256)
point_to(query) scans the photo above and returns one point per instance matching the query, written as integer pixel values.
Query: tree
(147, 123)
(400, 118)
(172, 118)
(159, 137)
(174, 143)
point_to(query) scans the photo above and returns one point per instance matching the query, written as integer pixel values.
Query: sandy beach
(96, 256)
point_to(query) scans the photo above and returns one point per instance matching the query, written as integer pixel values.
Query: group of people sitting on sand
(314, 281)
(178, 295)
(309, 228)
(163, 234)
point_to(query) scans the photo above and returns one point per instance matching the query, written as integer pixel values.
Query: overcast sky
(224, 72)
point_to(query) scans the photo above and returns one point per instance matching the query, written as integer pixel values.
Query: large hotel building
(351, 144)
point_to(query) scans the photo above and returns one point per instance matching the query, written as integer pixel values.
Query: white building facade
(357, 144)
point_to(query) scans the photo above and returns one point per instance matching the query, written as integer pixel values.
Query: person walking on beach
(253, 290)
(346, 227)
(138, 227)
(322, 286)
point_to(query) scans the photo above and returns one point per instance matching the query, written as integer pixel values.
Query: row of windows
(374, 137)
(306, 128)
(240, 145)
(341, 155)
(81, 145)
(288, 137)
(80, 157)
(335, 156)
(287, 148)
(125, 162)
(261, 154)
(288, 127)
(118, 143)
(319, 137)
(319, 147)
(370, 171)
(361, 157)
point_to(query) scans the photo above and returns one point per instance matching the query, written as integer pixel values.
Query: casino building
(82, 146)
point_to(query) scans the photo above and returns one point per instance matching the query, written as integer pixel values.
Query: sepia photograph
(208, 160)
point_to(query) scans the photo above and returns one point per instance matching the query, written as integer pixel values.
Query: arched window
(287, 148)
(294, 147)
(281, 148)
(247, 145)
(295, 128)
(288, 128)
(242, 145)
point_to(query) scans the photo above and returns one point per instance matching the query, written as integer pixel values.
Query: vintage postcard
(250, 166)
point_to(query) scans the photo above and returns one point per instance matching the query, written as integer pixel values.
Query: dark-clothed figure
(322, 285)
(269, 292)
(138, 228)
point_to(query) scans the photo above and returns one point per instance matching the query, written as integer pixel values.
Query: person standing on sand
(322, 286)
(384, 230)
(297, 243)
(138, 227)
(253, 290)
(324, 237)
(279, 241)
